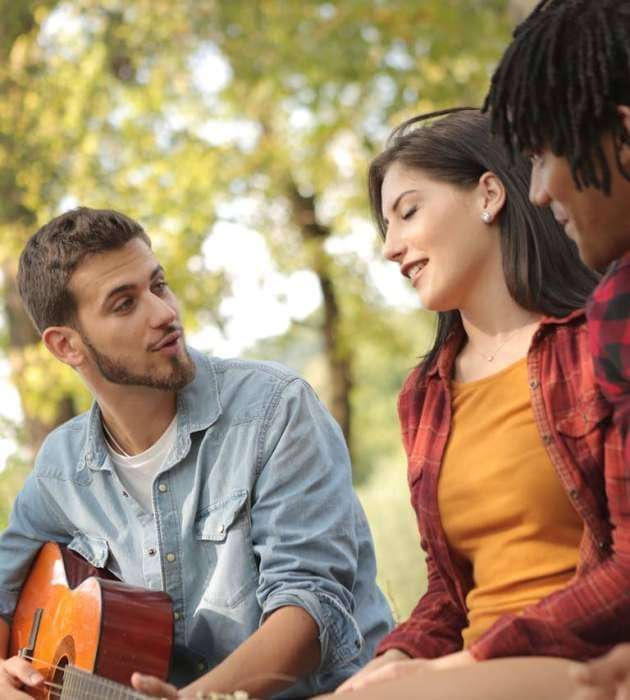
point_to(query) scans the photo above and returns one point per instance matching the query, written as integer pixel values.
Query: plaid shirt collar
(443, 365)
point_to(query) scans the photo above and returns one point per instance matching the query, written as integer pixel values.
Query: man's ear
(65, 344)
(492, 194)
(624, 114)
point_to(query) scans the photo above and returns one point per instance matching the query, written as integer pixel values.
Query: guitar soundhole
(64, 655)
(57, 680)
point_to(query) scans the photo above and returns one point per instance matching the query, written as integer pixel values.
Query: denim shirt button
(176, 616)
(163, 488)
(152, 551)
(170, 557)
(221, 529)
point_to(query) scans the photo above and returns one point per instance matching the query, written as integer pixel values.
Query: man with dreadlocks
(562, 94)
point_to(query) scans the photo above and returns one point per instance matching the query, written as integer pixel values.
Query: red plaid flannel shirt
(608, 313)
(591, 613)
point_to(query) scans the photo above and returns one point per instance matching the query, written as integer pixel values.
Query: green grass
(401, 569)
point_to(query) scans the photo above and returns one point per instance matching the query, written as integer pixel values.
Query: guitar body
(89, 621)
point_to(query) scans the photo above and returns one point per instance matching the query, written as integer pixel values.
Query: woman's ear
(492, 196)
(65, 344)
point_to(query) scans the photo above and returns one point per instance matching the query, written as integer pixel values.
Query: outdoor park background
(238, 132)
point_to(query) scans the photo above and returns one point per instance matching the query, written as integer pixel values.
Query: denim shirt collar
(198, 407)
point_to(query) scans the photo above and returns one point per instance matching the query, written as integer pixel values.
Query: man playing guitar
(224, 483)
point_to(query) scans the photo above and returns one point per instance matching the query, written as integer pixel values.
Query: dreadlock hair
(560, 81)
(542, 268)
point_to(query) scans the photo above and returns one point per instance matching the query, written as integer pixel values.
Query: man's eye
(160, 287)
(124, 305)
(409, 213)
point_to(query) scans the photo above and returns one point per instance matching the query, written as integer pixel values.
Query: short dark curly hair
(560, 81)
(55, 251)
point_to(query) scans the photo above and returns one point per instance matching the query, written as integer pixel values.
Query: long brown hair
(542, 268)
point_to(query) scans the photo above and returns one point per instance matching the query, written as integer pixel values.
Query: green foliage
(116, 104)
(181, 113)
(12, 479)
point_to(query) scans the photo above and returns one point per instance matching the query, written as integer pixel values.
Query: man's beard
(115, 371)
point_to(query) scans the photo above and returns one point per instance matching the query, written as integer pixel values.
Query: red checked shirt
(608, 313)
(589, 615)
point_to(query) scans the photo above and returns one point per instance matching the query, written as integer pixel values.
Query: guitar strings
(249, 679)
(84, 694)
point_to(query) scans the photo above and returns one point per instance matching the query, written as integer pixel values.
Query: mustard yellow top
(502, 505)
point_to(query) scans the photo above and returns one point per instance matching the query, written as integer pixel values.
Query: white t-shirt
(138, 472)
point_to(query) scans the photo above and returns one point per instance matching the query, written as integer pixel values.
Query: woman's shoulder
(573, 319)
(570, 329)
(421, 390)
(418, 378)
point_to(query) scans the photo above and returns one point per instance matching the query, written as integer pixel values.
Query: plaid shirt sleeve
(434, 627)
(608, 315)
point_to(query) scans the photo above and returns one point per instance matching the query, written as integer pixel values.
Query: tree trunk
(20, 21)
(338, 357)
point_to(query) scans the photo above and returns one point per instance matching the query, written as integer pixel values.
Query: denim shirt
(253, 510)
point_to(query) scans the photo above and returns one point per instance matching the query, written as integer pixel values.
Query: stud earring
(486, 217)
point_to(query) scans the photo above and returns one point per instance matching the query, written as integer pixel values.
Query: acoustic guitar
(86, 632)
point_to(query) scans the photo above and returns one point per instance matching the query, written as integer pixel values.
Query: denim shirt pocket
(94, 550)
(222, 531)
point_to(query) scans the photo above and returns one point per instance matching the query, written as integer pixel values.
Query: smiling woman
(507, 476)
(472, 184)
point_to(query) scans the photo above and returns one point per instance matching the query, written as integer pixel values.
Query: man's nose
(538, 194)
(162, 313)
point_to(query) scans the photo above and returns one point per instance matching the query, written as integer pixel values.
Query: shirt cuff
(340, 638)
(8, 603)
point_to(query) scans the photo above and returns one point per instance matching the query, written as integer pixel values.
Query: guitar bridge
(29, 651)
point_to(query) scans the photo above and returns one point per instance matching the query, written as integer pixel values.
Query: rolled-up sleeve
(303, 517)
(33, 522)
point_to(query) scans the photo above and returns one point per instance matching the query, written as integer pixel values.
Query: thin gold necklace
(489, 357)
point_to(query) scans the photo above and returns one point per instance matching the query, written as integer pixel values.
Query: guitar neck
(79, 684)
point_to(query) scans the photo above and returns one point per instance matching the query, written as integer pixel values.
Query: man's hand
(392, 664)
(607, 678)
(17, 673)
(154, 687)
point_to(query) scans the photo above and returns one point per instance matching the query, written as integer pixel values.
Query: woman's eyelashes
(409, 213)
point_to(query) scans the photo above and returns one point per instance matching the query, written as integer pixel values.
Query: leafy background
(205, 119)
